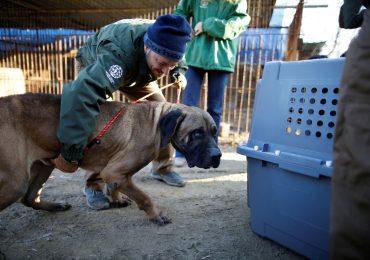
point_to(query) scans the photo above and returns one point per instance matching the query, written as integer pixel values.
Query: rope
(97, 139)
(150, 94)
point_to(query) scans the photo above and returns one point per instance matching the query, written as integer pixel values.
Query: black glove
(175, 76)
(180, 79)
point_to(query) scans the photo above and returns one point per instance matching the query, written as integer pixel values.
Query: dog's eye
(197, 134)
(213, 130)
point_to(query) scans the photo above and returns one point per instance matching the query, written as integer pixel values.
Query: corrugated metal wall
(48, 65)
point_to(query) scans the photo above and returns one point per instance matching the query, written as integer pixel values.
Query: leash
(97, 139)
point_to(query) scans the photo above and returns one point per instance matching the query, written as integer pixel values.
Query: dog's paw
(161, 220)
(48, 206)
(121, 203)
(61, 207)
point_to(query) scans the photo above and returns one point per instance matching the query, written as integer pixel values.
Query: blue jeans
(217, 81)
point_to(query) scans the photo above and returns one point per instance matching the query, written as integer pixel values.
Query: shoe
(171, 178)
(180, 161)
(96, 199)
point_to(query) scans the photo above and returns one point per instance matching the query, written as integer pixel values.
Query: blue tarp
(260, 45)
(257, 45)
(29, 40)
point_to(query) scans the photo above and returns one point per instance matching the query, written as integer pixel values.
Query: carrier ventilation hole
(311, 111)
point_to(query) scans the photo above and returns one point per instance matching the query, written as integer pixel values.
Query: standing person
(217, 24)
(129, 55)
(350, 205)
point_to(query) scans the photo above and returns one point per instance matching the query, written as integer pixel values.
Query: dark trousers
(217, 81)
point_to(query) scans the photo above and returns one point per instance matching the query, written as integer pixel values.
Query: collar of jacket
(144, 70)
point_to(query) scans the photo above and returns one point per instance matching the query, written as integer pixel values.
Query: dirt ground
(210, 220)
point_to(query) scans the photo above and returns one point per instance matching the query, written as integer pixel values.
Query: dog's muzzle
(210, 158)
(215, 154)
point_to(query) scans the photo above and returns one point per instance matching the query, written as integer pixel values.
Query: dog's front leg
(126, 186)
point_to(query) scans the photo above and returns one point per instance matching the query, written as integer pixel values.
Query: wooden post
(294, 32)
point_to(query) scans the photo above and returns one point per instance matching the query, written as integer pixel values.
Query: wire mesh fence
(46, 58)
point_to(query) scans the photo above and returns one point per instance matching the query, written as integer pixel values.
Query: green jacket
(114, 59)
(117, 44)
(223, 21)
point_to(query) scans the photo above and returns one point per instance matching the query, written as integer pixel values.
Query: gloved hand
(64, 165)
(179, 79)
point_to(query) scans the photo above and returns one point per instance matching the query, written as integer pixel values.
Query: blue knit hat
(168, 36)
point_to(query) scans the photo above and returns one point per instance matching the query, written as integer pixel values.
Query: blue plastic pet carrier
(289, 153)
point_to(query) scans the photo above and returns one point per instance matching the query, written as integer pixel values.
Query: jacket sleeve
(107, 73)
(184, 8)
(82, 98)
(350, 16)
(228, 28)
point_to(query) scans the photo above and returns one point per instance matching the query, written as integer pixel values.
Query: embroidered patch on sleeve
(115, 72)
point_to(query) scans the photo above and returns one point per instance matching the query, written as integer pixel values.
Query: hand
(65, 166)
(198, 29)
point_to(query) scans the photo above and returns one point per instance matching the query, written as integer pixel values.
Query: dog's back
(31, 117)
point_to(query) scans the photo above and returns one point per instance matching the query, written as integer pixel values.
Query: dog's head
(192, 132)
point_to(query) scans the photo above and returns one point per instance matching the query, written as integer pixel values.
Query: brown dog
(28, 126)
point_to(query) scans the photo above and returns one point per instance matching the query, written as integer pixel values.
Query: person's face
(159, 66)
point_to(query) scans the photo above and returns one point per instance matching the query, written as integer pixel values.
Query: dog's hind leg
(39, 175)
(11, 189)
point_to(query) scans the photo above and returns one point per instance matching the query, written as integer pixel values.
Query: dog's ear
(168, 125)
